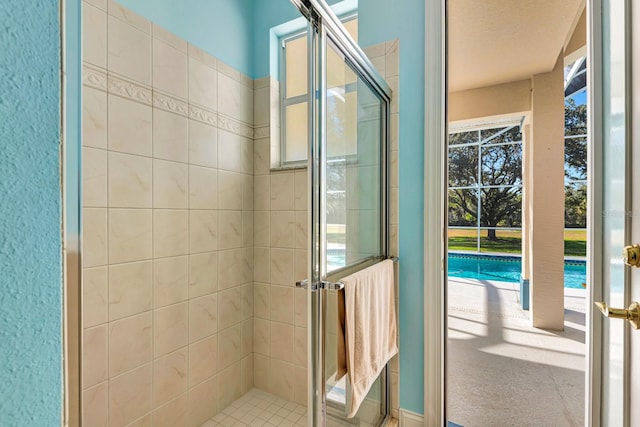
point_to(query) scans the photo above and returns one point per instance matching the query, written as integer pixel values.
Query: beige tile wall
(192, 244)
(280, 239)
(168, 225)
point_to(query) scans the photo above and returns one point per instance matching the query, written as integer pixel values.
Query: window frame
(479, 143)
(298, 99)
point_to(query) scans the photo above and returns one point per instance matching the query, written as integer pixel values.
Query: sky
(580, 97)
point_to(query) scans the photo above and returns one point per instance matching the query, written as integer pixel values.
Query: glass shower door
(347, 171)
(354, 212)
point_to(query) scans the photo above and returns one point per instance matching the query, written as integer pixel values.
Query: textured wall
(30, 255)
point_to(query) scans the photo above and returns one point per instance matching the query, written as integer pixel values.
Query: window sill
(288, 167)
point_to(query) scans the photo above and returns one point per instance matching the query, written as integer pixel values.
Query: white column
(527, 187)
(546, 180)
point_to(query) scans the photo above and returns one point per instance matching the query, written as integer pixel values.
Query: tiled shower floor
(259, 408)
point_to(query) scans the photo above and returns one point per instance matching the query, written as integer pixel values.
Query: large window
(485, 189)
(575, 165)
(341, 85)
(575, 159)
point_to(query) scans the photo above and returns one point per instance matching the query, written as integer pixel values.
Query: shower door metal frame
(323, 26)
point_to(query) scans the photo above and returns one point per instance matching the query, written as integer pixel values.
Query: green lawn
(510, 242)
(575, 241)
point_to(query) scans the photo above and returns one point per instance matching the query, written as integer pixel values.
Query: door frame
(71, 196)
(435, 217)
(435, 227)
(593, 324)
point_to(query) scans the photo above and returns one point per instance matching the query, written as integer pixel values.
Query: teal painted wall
(379, 21)
(266, 15)
(73, 115)
(30, 215)
(221, 27)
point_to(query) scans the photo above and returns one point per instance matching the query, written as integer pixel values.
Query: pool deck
(500, 370)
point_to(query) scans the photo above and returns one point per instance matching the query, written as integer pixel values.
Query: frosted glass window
(341, 98)
(296, 66)
(296, 132)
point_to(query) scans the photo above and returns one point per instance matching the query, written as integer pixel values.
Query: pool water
(507, 269)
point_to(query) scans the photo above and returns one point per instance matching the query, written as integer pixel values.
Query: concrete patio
(500, 370)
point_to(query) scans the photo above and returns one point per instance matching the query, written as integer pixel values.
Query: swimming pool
(508, 268)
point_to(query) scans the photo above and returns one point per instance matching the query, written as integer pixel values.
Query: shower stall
(194, 233)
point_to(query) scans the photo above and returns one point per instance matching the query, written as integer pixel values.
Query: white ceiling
(500, 41)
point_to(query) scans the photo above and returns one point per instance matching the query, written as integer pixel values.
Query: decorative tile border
(94, 77)
(127, 89)
(231, 125)
(202, 115)
(170, 104)
(101, 80)
(262, 132)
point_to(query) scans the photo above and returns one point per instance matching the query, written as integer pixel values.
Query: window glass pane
(296, 66)
(500, 135)
(352, 28)
(463, 166)
(338, 73)
(575, 158)
(353, 171)
(342, 99)
(463, 137)
(502, 165)
(342, 123)
(462, 239)
(463, 207)
(575, 205)
(501, 207)
(495, 202)
(296, 135)
(352, 125)
(505, 241)
(336, 69)
(575, 118)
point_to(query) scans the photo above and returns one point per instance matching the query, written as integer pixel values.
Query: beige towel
(366, 329)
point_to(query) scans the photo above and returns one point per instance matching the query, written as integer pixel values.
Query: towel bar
(323, 285)
(330, 285)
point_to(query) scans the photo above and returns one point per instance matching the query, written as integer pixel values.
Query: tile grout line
(106, 61)
(189, 385)
(153, 262)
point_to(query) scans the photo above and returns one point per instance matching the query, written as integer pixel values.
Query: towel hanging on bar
(367, 330)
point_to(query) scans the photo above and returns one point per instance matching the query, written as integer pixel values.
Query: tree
(575, 205)
(575, 168)
(498, 182)
(575, 149)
